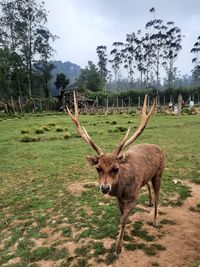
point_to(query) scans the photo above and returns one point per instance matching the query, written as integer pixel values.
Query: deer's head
(108, 165)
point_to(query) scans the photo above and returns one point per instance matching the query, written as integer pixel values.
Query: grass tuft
(39, 131)
(67, 135)
(59, 129)
(25, 131)
(27, 138)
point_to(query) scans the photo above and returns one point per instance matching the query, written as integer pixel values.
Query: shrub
(46, 128)
(133, 111)
(25, 131)
(67, 135)
(39, 131)
(51, 124)
(59, 129)
(118, 129)
(27, 138)
(113, 122)
(121, 128)
(66, 129)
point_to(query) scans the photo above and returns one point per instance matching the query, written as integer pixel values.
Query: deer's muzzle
(105, 188)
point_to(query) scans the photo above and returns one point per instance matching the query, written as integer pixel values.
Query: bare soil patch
(181, 240)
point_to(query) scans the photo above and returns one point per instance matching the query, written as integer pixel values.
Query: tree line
(147, 53)
(25, 50)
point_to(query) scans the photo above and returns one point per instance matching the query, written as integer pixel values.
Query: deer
(123, 173)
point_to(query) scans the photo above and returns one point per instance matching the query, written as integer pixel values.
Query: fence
(101, 103)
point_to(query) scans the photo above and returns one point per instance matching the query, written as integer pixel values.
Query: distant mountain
(71, 71)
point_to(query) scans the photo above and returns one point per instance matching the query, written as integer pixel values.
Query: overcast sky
(82, 25)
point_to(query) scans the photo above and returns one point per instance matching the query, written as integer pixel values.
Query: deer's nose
(105, 188)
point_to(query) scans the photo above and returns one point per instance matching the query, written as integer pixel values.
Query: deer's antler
(81, 130)
(144, 120)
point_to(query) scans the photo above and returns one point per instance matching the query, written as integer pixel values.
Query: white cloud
(83, 25)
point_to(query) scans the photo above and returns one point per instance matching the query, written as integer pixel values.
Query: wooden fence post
(20, 104)
(180, 100)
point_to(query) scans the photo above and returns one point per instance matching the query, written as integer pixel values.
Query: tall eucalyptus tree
(128, 54)
(139, 56)
(24, 32)
(171, 49)
(196, 60)
(102, 64)
(116, 61)
(157, 36)
(196, 51)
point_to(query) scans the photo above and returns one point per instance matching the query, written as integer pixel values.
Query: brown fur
(122, 175)
(141, 165)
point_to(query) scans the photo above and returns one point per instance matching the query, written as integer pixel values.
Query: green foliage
(46, 128)
(47, 253)
(67, 135)
(61, 81)
(27, 138)
(59, 129)
(39, 130)
(90, 78)
(118, 129)
(25, 131)
(50, 124)
(142, 233)
(98, 249)
(24, 52)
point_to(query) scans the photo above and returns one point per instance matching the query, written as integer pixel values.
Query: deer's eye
(114, 170)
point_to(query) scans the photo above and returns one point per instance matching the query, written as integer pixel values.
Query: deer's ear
(93, 160)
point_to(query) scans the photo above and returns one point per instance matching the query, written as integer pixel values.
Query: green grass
(37, 206)
(142, 233)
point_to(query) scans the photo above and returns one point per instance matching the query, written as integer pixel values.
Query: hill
(71, 71)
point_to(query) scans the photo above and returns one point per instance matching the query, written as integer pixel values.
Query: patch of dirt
(49, 263)
(78, 188)
(14, 261)
(181, 240)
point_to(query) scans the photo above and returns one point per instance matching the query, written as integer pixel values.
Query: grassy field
(50, 207)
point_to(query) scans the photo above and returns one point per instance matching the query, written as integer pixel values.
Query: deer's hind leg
(156, 182)
(150, 204)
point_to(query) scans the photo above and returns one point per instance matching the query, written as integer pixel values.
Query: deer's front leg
(127, 206)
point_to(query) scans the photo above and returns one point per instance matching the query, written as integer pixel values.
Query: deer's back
(145, 160)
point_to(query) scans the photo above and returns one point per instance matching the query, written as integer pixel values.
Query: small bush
(66, 129)
(27, 138)
(67, 135)
(25, 131)
(46, 128)
(133, 111)
(118, 129)
(113, 122)
(51, 124)
(59, 129)
(39, 131)
(122, 128)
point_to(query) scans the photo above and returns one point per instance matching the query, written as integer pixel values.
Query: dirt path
(182, 240)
